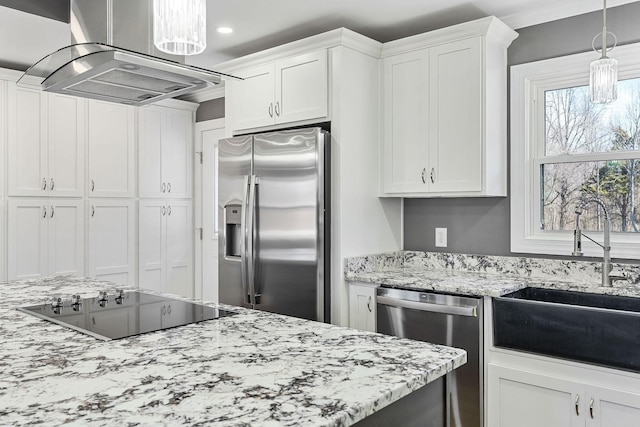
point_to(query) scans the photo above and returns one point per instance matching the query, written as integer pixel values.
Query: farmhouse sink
(585, 327)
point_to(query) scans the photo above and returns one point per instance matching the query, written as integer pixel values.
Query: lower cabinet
(166, 241)
(526, 399)
(362, 306)
(45, 238)
(112, 247)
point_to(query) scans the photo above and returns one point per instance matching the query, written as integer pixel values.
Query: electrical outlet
(441, 237)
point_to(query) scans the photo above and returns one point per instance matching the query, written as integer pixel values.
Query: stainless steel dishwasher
(449, 320)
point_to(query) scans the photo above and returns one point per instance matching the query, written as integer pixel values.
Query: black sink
(585, 327)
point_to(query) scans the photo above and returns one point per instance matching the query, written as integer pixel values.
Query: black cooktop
(121, 314)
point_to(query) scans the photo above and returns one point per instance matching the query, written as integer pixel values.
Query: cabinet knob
(169, 188)
(44, 183)
(424, 171)
(93, 210)
(53, 211)
(169, 210)
(271, 109)
(591, 408)
(53, 184)
(433, 170)
(278, 108)
(93, 185)
(44, 212)
(164, 187)
(164, 211)
(577, 405)
(369, 304)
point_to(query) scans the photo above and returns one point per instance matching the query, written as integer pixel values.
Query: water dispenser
(233, 230)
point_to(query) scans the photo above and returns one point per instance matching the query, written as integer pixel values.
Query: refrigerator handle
(246, 298)
(251, 239)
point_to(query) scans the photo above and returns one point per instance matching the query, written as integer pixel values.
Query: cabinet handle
(169, 210)
(93, 185)
(278, 108)
(93, 210)
(44, 183)
(44, 212)
(271, 110)
(369, 304)
(169, 188)
(53, 211)
(164, 211)
(424, 171)
(577, 405)
(164, 187)
(591, 408)
(53, 184)
(433, 170)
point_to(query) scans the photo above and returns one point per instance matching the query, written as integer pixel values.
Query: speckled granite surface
(254, 368)
(478, 275)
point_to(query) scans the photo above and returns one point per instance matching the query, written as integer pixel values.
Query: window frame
(527, 106)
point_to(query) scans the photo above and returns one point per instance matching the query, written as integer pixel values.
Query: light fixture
(224, 30)
(179, 26)
(603, 78)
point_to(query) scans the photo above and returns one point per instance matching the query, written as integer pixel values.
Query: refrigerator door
(234, 171)
(289, 222)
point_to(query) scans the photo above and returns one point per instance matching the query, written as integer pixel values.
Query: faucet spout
(606, 245)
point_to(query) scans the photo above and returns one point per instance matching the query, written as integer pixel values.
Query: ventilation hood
(92, 67)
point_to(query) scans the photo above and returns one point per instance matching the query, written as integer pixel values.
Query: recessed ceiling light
(224, 30)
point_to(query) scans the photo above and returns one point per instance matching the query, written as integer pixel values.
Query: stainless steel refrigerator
(273, 210)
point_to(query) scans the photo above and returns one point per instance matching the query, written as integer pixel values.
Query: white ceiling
(261, 24)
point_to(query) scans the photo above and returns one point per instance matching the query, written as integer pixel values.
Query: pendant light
(603, 79)
(179, 26)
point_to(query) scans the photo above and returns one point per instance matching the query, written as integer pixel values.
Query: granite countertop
(254, 368)
(492, 276)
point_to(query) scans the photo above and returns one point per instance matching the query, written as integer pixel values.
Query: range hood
(132, 73)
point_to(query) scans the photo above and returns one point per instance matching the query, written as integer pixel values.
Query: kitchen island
(253, 368)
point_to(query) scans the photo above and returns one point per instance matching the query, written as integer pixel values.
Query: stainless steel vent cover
(109, 73)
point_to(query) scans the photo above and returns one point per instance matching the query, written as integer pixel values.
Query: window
(566, 150)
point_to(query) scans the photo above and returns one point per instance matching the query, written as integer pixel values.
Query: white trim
(214, 92)
(528, 81)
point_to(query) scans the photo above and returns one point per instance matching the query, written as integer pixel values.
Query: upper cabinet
(285, 91)
(166, 152)
(444, 112)
(46, 144)
(111, 134)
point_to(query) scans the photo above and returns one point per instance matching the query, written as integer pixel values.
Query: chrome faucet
(607, 277)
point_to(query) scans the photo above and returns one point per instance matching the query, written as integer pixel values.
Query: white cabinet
(288, 90)
(165, 152)
(46, 237)
(111, 142)
(166, 240)
(46, 144)
(362, 306)
(112, 250)
(444, 112)
(527, 399)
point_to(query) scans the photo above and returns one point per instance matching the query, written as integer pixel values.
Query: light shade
(603, 80)
(180, 26)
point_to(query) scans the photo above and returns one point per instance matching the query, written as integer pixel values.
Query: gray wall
(209, 110)
(481, 225)
(54, 9)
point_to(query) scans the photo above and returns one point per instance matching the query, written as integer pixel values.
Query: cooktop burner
(123, 314)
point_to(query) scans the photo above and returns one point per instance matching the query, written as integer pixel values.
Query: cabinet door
(150, 151)
(27, 148)
(152, 254)
(362, 307)
(455, 122)
(111, 149)
(27, 238)
(523, 399)
(67, 136)
(179, 243)
(177, 152)
(301, 87)
(406, 114)
(253, 105)
(66, 237)
(611, 408)
(112, 240)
